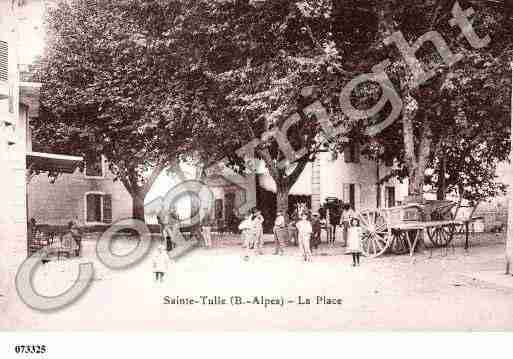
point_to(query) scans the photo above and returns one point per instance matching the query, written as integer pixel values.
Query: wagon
(399, 229)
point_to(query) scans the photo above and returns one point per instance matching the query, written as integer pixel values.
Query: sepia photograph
(255, 166)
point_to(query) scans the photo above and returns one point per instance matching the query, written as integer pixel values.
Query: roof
(53, 163)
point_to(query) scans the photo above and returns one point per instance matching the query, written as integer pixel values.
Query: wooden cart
(399, 229)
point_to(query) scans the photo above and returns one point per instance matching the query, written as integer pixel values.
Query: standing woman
(304, 228)
(347, 215)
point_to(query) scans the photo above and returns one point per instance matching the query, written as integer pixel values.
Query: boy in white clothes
(248, 234)
(258, 223)
(304, 228)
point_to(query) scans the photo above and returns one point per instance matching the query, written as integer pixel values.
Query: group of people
(252, 232)
(307, 235)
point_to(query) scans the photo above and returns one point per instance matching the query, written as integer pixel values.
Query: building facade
(354, 178)
(90, 197)
(13, 121)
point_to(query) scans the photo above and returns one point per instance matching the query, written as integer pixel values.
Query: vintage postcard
(255, 165)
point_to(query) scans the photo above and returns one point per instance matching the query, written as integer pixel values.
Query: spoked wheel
(376, 233)
(441, 236)
(399, 243)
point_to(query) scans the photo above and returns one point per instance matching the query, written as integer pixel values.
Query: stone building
(90, 197)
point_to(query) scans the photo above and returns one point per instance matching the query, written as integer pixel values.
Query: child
(304, 228)
(160, 263)
(248, 234)
(258, 227)
(77, 237)
(354, 240)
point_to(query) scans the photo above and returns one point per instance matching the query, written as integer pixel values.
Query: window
(94, 166)
(98, 207)
(352, 152)
(390, 196)
(350, 194)
(352, 197)
(4, 61)
(219, 208)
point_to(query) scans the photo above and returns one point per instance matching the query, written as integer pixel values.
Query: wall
(335, 173)
(13, 221)
(64, 200)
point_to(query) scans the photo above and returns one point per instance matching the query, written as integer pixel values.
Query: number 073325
(30, 349)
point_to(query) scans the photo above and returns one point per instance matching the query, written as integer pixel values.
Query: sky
(32, 42)
(31, 31)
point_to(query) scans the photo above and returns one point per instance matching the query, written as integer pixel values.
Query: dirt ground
(457, 290)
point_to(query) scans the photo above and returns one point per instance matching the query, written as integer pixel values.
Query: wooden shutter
(356, 152)
(347, 153)
(4, 61)
(352, 195)
(93, 203)
(107, 208)
(219, 208)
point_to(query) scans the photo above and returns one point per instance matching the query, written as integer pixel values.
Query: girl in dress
(160, 264)
(354, 240)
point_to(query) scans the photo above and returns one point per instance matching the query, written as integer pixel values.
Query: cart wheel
(376, 233)
(441, 236)
(399, 243)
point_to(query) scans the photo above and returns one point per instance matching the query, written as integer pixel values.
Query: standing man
(258, 221)
(304, 229)
(163, 220)
(279, 231)
(316, 231)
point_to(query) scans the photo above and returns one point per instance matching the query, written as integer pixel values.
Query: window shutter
(90, 208)
(107, 208)
(347, 153)
(219, 208)
(4, 61)
(356, 152)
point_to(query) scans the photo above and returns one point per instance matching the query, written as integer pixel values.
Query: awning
(53, 163)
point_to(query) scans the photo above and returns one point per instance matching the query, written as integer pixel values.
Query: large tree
(273, 60)
(121, 78)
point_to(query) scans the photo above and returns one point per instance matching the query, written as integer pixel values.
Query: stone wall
(58, 203)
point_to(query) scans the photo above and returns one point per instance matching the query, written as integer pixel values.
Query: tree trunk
(509, 237)
(138, 207)
(282, 201)
(416, 158)
(440, 191)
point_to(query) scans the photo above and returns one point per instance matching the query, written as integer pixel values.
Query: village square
(256, 165)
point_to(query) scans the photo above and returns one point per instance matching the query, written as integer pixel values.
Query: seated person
(72, 239)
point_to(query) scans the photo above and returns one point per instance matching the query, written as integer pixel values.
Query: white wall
(336, 173)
